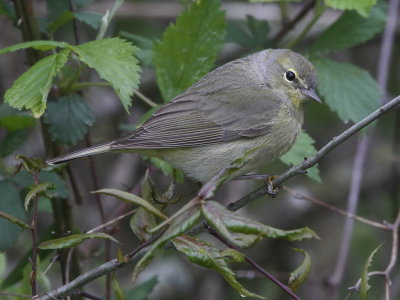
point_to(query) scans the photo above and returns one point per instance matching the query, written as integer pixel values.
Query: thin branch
(112, 221)
(300, 196)
(32, 277)
(290, 25)
(251, 262)
(145, 99)
(311, 161)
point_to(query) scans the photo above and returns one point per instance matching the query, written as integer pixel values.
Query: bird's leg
(271, 190)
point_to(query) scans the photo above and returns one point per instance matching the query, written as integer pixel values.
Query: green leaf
(131, 198)
(298, 276)
(119, 294)
(189, 48)
(145, 45)
(254, 1)
(349, 30)
(364, 286)
(69, 119)
(37, 190)
(14, 220)
(11, 204)
(64, 18)
(12, 119)
(203, 254)
(347, 89)
(56, 8)
(31, 89)
(304, 147)
(73, 240)
(38, 45)
(7, 9)
(254, 36)
(143, 290)
(114, 61)
(177, 226)
(92, 19)
(12, 141)
(363, 7)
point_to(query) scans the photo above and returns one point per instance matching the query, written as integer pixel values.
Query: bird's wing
(208, 113)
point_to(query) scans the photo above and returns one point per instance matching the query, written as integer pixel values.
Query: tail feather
(80, 153)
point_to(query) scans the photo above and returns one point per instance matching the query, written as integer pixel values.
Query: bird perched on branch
(250, 105)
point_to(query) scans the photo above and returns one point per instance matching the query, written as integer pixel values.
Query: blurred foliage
(50, 99)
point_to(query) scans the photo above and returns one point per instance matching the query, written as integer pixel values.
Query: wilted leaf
(131, 198)
(189, 47)
(349, 30)
(73, 240)
(11, 204)
(143, 290)
(113, 59)
(31, 89)
(30, 164)
(298, 276)
(69, 119)
(363, 7)
(37, 190)
(364, 287)
(347, 89)
(304, 147)
(203, 254)
(177, 226)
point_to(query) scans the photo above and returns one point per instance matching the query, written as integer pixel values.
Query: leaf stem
(32, 277)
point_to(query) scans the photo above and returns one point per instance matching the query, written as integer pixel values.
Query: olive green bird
(250, 105)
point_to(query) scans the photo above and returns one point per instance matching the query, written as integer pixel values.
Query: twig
(251, 262)
(112, 221)
(311, 161)
(32, 277)
(145, 99)
(289, 25)
(300, 196)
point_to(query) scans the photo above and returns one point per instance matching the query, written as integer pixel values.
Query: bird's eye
(290, 76)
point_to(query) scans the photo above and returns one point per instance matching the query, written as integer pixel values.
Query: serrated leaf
(11, 204)
(303, 147)
(69, 119)
(12, 141)
(349, 30)
(145, 45)
(73, 240)
(31, 89)
(37, 190)
(92, 19)
(131, 198)
(113, 60)
(298, 276)
(364, 286)
(363, 7)
(12, 119)
(177, 226)
(14, 220)
(189, 47)
(143, 290)
(346, 88)
(38, 45)
(203, 254)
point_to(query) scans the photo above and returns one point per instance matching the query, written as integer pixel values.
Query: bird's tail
(101, 148)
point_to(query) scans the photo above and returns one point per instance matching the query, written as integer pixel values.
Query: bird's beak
(311, 94)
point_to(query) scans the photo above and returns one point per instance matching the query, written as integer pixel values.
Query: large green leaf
(205, 255)
(304, 147)
(12, 141)
(73, 240)
(298, 276)
(12, 119)
(69, 119)
(113, 59)
(347, 89)
(189, 48)
(349, 30)
(177, 226)
(11, 204)
(31, 89)
(363, 7)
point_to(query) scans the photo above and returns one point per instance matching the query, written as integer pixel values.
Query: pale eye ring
(290, 76)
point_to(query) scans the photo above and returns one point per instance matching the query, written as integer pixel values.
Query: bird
(250, 105)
